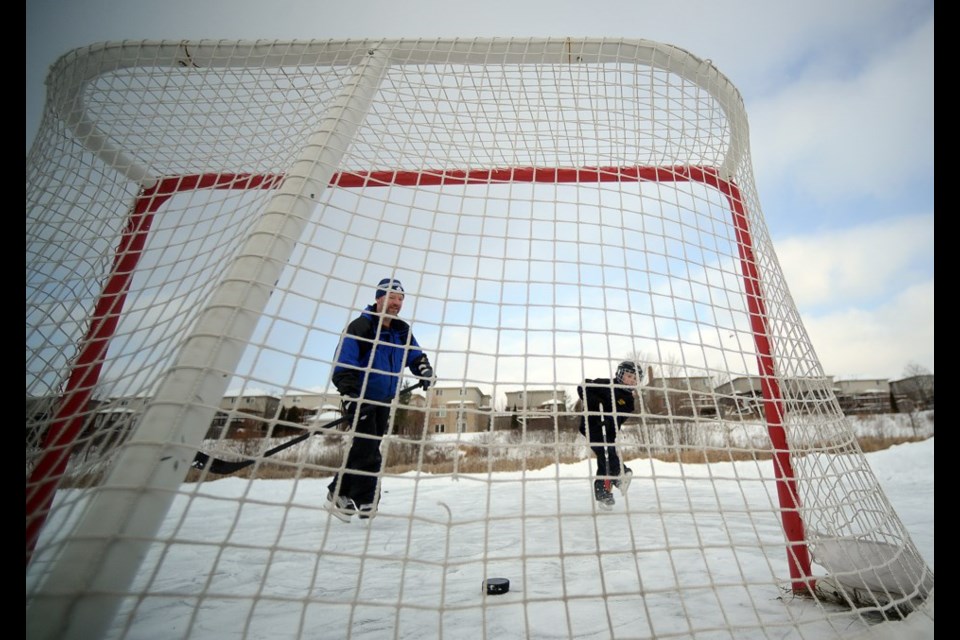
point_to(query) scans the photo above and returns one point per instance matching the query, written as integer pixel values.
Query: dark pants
(364, 455)
(602, 437)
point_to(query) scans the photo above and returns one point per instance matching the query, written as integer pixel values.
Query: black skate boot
(601, 491)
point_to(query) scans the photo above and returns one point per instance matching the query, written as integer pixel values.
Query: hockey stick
(225, 467)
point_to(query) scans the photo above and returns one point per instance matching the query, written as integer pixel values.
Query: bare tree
(671, 367)
(645, 361)
(913, 369)
(720, 378)
(921, 386)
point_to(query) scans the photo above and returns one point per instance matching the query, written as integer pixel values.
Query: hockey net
(205, 218)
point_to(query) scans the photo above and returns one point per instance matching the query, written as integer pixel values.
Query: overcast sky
(839, 98)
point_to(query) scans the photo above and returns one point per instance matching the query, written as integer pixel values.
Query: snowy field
(260, 559)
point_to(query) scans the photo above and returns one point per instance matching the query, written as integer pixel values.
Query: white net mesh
(551, 207)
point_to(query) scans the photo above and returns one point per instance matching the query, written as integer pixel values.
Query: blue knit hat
(388, 283)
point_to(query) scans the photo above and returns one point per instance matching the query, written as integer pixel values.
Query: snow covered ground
(261, 558)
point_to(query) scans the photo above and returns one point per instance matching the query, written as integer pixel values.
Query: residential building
(310, 407)
(544, 400)
(245, 414)
(309, 401)
(458, 410)
(533, 410)
(863, 396)
(914, 393)
(681, 396)
(743, 395)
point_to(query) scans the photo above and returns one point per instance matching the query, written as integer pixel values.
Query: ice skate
(601, 491)
(341, 508)
(624, 482)
(367, 511)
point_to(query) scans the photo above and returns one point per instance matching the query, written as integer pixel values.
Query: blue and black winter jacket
(381, 359)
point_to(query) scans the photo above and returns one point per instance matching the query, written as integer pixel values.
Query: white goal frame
(83, 165)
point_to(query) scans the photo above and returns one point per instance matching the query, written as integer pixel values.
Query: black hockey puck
(496, 586)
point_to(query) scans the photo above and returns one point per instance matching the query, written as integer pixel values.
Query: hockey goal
(203, 220)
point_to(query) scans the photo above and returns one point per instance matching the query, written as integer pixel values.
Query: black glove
(347, 382)
(423, 370)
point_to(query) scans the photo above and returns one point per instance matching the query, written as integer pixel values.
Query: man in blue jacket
(373, 352)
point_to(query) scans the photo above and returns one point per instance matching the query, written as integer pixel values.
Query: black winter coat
(614, 403)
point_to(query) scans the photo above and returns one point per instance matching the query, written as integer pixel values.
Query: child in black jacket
(607, 405)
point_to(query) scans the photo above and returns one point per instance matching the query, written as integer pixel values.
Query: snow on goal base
(204, 218)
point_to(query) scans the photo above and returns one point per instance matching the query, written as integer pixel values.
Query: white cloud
(857, 342)
(866, 295)
(834, 135)
(858, 264)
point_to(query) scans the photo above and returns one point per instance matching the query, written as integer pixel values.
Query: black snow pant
(364, 455)
(602, 436)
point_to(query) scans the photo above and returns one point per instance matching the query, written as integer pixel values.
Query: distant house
(534, 409)
(326, 416)
(681, 396)
(103, 420)
(306, 399)
(40, 407)
(544, 400)
(863, 396)
(458, 410)
(112, 425)
(744, 395)
(309, 407)
(245, 413)
(40, 410)
(914, 393)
